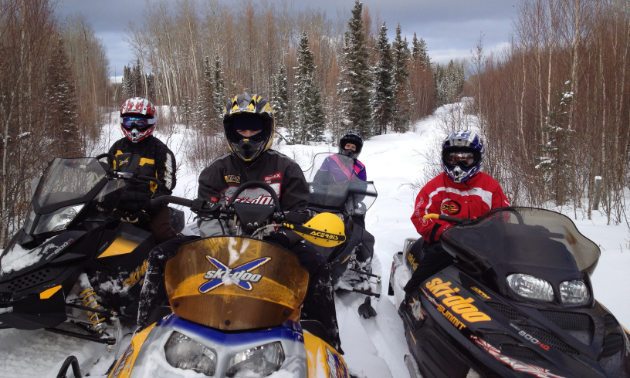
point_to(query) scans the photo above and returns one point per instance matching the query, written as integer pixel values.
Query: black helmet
(248, 112)
(351, 137)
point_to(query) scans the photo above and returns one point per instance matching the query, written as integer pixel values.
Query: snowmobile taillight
(530, 287)
(264, 359)
(574, 292)
(184, 353)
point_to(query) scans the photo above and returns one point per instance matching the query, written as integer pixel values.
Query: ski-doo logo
(450, 207)
(324, 235)
(337, 369)
(459, 305)
(136, 275)
(233, 178)
(241, 276)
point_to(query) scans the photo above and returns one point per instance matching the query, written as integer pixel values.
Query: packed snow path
(374, 348)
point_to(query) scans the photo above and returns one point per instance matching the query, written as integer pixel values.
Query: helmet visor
(462, 159)
(135, 123)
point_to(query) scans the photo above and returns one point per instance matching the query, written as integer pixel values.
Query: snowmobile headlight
(184, 353)
(530, 287)
(57, 220)
(574, 292)
(263, 359)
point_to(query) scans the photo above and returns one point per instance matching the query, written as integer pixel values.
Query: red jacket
(470, 199)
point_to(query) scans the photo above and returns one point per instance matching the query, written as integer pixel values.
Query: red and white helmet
(137, 118)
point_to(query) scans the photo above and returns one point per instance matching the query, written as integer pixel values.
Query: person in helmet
(249, 126)
(142, 153)
(335, 169)
(460, 191)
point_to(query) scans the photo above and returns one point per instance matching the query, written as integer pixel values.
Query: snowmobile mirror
(324, 230)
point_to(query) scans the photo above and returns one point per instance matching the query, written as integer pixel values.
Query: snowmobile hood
(235, 283)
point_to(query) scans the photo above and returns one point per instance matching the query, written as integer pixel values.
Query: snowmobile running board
(108, 341)
(362, 272)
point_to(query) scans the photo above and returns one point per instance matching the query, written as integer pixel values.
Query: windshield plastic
(523, 237)
(333, 181)
(67, 180)
(235, 283)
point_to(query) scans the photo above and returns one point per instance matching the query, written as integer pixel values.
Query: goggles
(463, 159)
(135, 122)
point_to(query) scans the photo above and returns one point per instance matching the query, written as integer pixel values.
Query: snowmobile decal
(49, 292)
(120, 246)
(458, 304)
(240, 275)
(481, 293)
(137, 275)
(513, 363)
(529, 337)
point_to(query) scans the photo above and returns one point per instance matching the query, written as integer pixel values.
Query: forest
(553, 106)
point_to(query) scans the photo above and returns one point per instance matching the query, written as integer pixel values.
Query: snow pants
(319, 303)
(435, 259)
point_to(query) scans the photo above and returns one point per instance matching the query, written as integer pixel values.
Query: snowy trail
(374, 348)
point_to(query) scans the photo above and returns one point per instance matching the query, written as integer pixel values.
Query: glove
(281, 239)
(151, 210)
(139, 218)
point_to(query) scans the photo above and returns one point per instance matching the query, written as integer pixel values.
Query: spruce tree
(127, 83)
(355, 82)
(309, 113)
(61, 112)
(401, 56)
(420, 53)
(383, 99)
(204, 112)
(219, 94)
(280, 98)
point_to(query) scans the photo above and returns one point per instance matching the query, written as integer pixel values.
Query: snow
(18, 258)
(374, 348)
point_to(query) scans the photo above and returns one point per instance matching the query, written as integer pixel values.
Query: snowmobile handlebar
(257, 184)
(446, 218)
(163, 200)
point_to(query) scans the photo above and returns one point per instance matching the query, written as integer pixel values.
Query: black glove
(281, 239)
(139, 218)
(150, 209)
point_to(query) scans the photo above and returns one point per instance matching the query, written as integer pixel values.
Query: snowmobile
(334, 187)
(517, 302)
(74, 238)
(235, 302)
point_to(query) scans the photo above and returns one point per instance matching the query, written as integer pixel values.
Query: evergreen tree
(401, 56)
(309, 113)
(137, 82)
(420, 53)
(355, 84)
(204, 112)
(61, 112)
(449, 83)
(219, 94)
(127, 83)
(187, 111)
(383, 99)
(280, 98)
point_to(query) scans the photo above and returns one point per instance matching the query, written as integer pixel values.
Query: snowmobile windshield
(523, 240)
(235, 283)
(67, 181)
(333, 180)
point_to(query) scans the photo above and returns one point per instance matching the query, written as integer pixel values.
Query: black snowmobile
(336, 189)
(518, 302)
(76, 267)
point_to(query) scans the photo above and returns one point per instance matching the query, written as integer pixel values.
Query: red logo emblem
(450, 207)
(275, 176)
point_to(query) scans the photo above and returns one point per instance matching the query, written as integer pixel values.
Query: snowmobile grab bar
(445, 218)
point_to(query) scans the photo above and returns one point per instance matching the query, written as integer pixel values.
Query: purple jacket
(342, 172)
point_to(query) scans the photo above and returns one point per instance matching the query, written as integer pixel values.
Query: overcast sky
(451, 28)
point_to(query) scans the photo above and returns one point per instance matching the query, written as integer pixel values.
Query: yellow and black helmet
(248, 112)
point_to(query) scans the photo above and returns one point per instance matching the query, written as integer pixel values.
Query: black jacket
(149, 157)
(224, 175)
